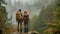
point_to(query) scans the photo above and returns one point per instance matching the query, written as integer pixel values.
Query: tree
(38, 22)
(55, 23)
(33, 21)
(3, 13)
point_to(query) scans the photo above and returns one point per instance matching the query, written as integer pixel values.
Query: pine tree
(3, 15)
(56, 13)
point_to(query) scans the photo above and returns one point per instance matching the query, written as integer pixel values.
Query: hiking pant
(25, 26)
(20, 24)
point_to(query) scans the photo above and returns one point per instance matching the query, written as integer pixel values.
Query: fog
(33, 6)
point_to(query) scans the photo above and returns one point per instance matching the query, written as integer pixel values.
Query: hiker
(19, 18)
(26, 21)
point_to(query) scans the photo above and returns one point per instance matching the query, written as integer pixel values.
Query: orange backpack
(19, 16)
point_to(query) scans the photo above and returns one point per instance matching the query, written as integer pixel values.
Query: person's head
(20, 10)
(26, 12)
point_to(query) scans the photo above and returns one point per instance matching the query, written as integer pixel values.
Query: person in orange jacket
(19, 18)
(26, 20)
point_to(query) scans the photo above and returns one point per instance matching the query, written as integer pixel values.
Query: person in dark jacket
(26, 20)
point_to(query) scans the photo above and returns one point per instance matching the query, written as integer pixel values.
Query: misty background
(33, 6)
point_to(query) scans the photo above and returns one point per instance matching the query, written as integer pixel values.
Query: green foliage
(33, 21)
(4, 21)
(3, 14)
(56, 19)
(38, 22)
(2, 2)
(48, 17)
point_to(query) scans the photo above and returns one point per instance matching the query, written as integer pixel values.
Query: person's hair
(20, 10)
(26, 11)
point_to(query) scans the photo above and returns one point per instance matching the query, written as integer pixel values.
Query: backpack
(19, 16)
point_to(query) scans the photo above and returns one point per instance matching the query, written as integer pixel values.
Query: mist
(33, 6)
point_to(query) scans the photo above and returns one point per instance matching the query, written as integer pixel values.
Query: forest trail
(20, 33)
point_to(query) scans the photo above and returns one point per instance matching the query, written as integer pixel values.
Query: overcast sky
(33, 6)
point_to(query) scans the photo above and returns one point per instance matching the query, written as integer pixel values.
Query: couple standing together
(22, 18)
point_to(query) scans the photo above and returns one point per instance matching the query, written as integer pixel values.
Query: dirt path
(19, 33)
